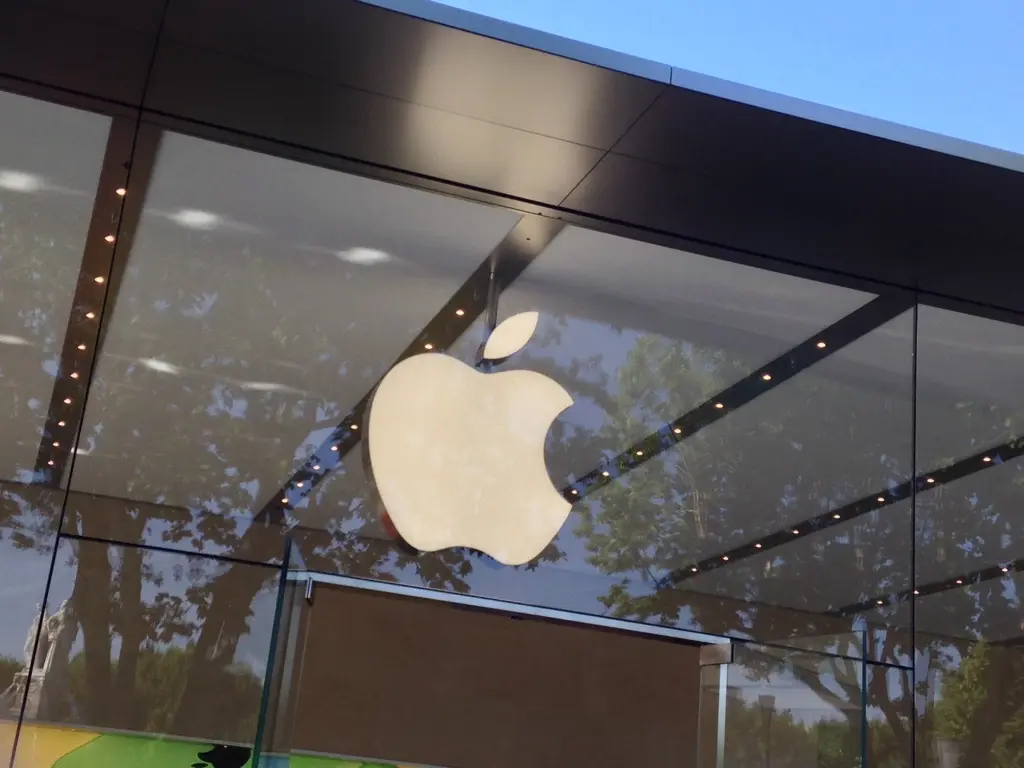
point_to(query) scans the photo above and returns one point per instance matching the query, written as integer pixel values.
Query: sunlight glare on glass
(160, 366)
(18, 181)
(14, 341)
(193, 219)
(266, 386)
(364, 256)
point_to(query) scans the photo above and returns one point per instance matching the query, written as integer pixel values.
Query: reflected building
(790, 474)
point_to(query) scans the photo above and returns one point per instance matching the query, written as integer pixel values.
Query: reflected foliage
(975, 707)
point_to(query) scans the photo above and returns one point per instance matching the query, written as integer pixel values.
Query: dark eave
(546, 124)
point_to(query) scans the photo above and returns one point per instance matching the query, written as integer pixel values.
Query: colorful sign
(42, 746)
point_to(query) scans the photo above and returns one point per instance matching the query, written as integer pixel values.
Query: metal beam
(978, 462)
(120, 193)
(477, 296)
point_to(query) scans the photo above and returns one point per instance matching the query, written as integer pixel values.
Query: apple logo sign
(457, 455)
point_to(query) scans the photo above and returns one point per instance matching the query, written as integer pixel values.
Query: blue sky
(955, 67)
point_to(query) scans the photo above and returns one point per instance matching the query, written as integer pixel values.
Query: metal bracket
(310, 586)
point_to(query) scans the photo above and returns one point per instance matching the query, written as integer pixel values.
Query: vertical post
(767, 702)
(272, 667)
(714, 691)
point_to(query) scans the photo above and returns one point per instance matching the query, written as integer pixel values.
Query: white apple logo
(457, 455)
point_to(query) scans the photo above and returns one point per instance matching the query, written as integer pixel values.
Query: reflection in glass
(778, 709)
(28, 531)
(134, 641)
(262, 300)
(969, 547)
(50, 160)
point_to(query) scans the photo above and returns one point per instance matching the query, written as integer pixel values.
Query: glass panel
(28, 532)
(147, 657)
(970, 551)
(648, 340)
(50, 161)
(262, 300)
(789, 708)
(889, 715)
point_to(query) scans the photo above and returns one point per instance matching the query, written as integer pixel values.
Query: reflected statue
(46, 672)
(33, 634)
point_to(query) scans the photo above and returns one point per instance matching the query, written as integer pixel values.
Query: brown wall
(422, 682)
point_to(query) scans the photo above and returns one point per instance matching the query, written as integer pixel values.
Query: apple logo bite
(457, 455)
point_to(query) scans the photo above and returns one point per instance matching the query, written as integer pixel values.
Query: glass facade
(824, 472)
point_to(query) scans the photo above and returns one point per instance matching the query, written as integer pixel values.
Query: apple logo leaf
(511, 335)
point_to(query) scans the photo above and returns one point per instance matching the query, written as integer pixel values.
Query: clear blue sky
(955, 67)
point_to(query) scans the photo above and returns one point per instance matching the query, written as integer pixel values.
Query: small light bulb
(67, 401)
(460, 312)
(639, 453)
(959, 581)
(353, 426)
(121, 191)
(881, 499)
(334, 448)
(694, 569)
(1005, 569)
(917, 591)
(316, 467)
(796, 531)
(606, 473)
(719, 405)
(90, 315)
(678, 431)
(428, 345)
(837, 516)
(574, 492)
(50, 462)
(725, 557)
(757, 546)
(767, 377)
(56, 444)
(109, 238)
(931, 479)
(74, 375)
(99, 279)
(298, 485)
(284, 500)
(81, 347)
(987, 459)
(879, 602)
(821, 345)
(60, 423)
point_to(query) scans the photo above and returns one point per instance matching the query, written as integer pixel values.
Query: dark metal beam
(124, 177)
(475, 298)
(978, 462)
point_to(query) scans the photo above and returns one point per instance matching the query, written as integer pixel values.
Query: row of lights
(766, 376)
(316, 467)
(90, 315)
(916, 592)
(428, 346)
(794, 531)
(882, 500)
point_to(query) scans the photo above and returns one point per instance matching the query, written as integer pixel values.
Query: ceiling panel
(50, 159)
(262, 299)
